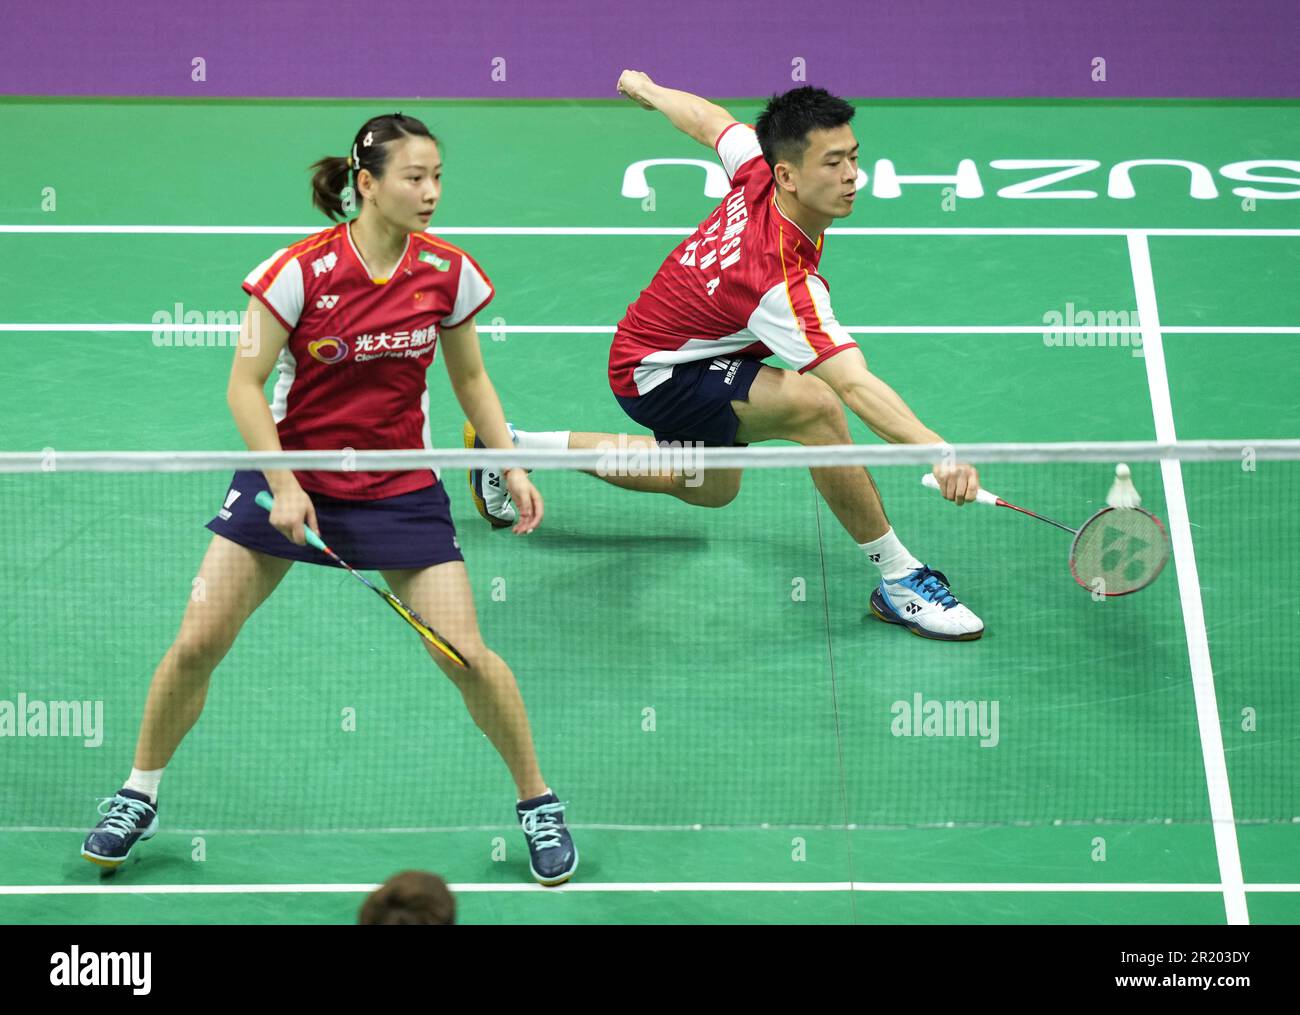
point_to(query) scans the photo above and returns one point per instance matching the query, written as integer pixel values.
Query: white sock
(891, 556)
(545, 440)
(145, 782)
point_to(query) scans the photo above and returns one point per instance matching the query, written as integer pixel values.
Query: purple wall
(575, 48)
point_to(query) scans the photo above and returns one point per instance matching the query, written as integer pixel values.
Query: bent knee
(200, 646)
(478, 658)
(820, 415)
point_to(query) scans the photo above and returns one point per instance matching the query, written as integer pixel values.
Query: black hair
(370, 150)
(784, 124)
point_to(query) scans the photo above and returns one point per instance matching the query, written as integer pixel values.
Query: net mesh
(680, 666)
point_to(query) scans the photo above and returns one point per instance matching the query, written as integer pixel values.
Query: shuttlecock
(1122, 492)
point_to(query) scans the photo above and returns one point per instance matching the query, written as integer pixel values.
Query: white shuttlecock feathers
(1122, 492)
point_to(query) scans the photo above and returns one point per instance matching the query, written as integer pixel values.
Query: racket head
(1119, 551)
(425, 631)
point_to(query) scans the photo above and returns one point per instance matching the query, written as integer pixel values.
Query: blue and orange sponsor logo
(328, 350)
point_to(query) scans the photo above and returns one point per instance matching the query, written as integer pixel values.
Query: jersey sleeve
(473, 292)
(278, 283)
(737, 145)
(795, 320)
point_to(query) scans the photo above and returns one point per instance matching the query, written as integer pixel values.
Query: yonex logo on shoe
(913, 608)
(74, 968)
(933, 718)
(23, 718)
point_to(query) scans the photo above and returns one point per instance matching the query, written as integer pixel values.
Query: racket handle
(983, 497)
(265, 500)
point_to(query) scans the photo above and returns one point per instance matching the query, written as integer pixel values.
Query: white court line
(632, 231)
(608, 329)
(664, 886)
(1189, 590)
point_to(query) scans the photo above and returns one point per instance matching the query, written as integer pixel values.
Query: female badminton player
(352, 317)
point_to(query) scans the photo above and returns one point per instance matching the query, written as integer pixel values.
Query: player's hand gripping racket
(405, 612)
(1117, 551)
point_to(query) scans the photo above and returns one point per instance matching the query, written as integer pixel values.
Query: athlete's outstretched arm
(696, 117)
(883, 409)
(476, 395)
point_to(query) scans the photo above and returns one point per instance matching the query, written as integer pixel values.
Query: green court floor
(703, 686)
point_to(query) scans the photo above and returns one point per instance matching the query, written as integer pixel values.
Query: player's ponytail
(328, 180)
(334, 178)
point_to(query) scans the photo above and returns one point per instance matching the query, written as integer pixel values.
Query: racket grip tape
(264, 499)
(983, 497)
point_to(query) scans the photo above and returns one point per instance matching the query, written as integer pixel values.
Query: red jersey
(353, 372)
(745, 283)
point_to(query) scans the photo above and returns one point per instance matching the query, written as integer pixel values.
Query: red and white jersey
(745, 283)
(353, 372)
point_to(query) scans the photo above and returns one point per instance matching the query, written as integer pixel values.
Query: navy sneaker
(551, 853)
(129, 818)
(922, 602)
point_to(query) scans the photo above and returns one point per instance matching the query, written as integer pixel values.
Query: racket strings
(1119, 550)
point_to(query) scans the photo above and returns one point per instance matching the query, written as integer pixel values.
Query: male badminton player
(686, 361)
(352, 317)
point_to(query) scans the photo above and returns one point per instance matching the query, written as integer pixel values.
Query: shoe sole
(553, 883)
(469, 437)
(919, 632)
(112, 864)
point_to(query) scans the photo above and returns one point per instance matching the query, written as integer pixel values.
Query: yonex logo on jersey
(328, 350)
(442, 264)
(325, 302)
(323, 264)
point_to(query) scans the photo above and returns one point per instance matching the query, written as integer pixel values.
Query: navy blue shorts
(407, 531)
(694, 404)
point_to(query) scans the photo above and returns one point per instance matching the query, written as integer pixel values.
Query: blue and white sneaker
(552, 855)
(128, 819)
(488, 487)
(922, 602)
